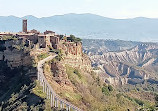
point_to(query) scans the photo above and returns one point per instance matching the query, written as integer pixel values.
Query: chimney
(25, 25)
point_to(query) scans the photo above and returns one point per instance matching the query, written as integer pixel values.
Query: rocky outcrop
(130, 66)
(15, 58)
(59, 73)
(78, 61)
(81, 62)
(15, 54)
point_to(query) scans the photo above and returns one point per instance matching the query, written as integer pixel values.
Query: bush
(2, 48)
(156, 100)
(140, 102)
(110, 88)
(77, 73)
(8, 38)
(58, 58)
(42, 56)
(74, 39)
(105, 90)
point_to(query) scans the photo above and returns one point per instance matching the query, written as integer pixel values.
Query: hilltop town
(26, 51)
(47, 71)
(38, 43)
(42, 40)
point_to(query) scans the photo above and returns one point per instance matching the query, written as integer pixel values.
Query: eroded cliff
(132, 66)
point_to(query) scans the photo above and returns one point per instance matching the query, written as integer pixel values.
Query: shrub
(77, 73)
(42, 56)
(110, 88)
(8, 38)
(156, 100)
(140, 102)
(2, 48)
(105, 90)
(118, 95)
(74, 39)
(59, 54)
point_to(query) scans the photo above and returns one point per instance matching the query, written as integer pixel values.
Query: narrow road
(54, 98)
(41, 63)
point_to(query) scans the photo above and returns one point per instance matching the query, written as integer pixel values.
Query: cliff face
(73, 57)
(81, 62)
(15, 58)
(72, 79)
(130, 66)
(15, 53)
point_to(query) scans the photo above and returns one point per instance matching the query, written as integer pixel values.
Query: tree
(74, 39)
(156, 100)
(110, 88)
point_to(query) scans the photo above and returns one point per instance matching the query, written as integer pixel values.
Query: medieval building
(48, 39)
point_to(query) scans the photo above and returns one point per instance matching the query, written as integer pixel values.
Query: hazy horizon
(108, 8)
(79, 14)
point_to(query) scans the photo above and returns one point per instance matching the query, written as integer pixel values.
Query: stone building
(47, 39)
(25, 25)
(34, 31)
(48, 32)
(44, 41)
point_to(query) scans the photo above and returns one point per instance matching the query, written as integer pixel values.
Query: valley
(127, 64)
(52, 72)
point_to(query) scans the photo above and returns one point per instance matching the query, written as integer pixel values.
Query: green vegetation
(38, 90)
(15, 92)
(143, 105)
(102, 94)
(95, 94)
(59, 55)
(3, 38)
(107, 89)
(77, 73)
(20, 47)
(156, 100)
(74, 75)
(42, 56)
(19, 93)
(148, 87)
(74, 39)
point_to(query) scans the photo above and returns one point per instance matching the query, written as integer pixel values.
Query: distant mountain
(88, 26)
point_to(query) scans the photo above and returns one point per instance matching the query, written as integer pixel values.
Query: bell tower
(25, 25)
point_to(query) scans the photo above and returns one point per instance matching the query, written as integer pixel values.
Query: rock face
(81, 62)
(13, 55)
(129, 66)
(59, 73)
(98, 46)
(73, 57)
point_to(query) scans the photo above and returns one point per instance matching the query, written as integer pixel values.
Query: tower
(25, 25)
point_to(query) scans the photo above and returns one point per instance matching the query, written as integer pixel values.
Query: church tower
(25, 25)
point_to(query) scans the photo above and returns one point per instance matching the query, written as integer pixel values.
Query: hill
(124, 62)
(88, 26)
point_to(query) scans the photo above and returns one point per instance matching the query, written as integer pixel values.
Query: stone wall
(42, 41)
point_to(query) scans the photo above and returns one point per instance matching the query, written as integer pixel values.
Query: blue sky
(107, 8)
